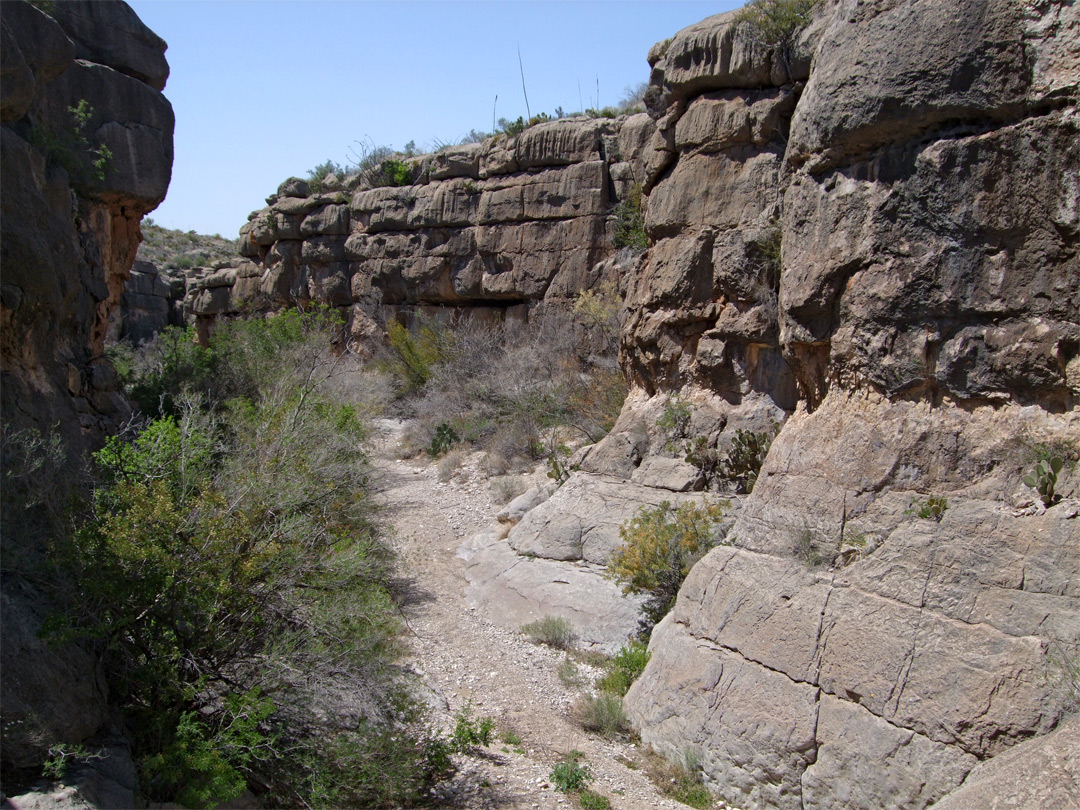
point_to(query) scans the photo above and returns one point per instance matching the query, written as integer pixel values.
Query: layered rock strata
(86, 140)
(921, 325)
(490, 227)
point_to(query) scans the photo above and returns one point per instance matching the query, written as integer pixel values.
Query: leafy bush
(659, 547)
(1043, 479)
(602, 713)
(777, 23)
(317, 175)
(470, 733)
(570, 775)
(630, 222)
(415, 355)
(624, 668)
(232, 575)
(554, 631)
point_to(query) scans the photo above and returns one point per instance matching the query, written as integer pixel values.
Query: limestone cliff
(86, 152)
(494, 227)
(919, 169)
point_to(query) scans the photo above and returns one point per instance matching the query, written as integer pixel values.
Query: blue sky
(267, 89)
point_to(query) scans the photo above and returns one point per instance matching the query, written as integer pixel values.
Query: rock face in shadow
(491, 228)
(881, 247)
(86, 152)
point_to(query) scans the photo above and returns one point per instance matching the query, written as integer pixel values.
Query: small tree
(660, 546)
(777, 23)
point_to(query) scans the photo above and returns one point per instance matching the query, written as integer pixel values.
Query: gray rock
(515, 590)
(111, 34)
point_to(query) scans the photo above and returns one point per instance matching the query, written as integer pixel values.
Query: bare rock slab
(512, 590)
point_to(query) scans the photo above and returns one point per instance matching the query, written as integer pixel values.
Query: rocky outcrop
(86, 152)
(490, 227)
(880, 246)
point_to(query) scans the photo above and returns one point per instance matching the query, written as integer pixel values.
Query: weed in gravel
(570, 774)
(624, 668)
(588, 800)
(570, 674)
(470, 733)
(679, 781)
(602, 714)
(554, 631)
(510, 737)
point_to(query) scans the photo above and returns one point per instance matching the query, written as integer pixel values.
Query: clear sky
(265, 89)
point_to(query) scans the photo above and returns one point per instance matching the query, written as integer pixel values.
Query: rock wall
(492, 227)
(70, 232)
(918, 172)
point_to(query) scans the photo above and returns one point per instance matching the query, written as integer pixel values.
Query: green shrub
(416, 354)
(630, 222)
(1043, 479)
(777, 23)
(554, 631)
(659, 547)
(624, 668)
(679, 781)
(317, 175)
(470, 733)
(570, 775)
(602, 714)
(230, 571)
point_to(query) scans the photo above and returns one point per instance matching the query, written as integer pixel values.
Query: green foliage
(558, 468)
(470, 733)
(317, 175)
(931, 509)
(512, 128)
(630, 222)
(231, 574)
(602, 714)
(599, 309)
(659, 547)
(554, 631)
(415, 355)
(62, 756)
(445, 437)
(744, 458)
(674, 422)
(176, 249)
(203, 766)
(70, 146)
(777, 23)
(681, 781)
(1043, 479)
(392, 172)
(624, 668)
(570, 774)
(590, 800)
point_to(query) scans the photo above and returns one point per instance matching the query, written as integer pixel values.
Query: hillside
(182, 250)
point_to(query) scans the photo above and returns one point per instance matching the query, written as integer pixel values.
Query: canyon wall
(491, 228)
(86, 152)
(919, 170)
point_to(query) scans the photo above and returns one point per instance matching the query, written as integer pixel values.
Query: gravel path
(469, 661)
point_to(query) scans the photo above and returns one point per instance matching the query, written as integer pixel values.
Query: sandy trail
(469, 661)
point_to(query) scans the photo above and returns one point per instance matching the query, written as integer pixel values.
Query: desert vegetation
(516, 390)
(179, 250)
(229, 568)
